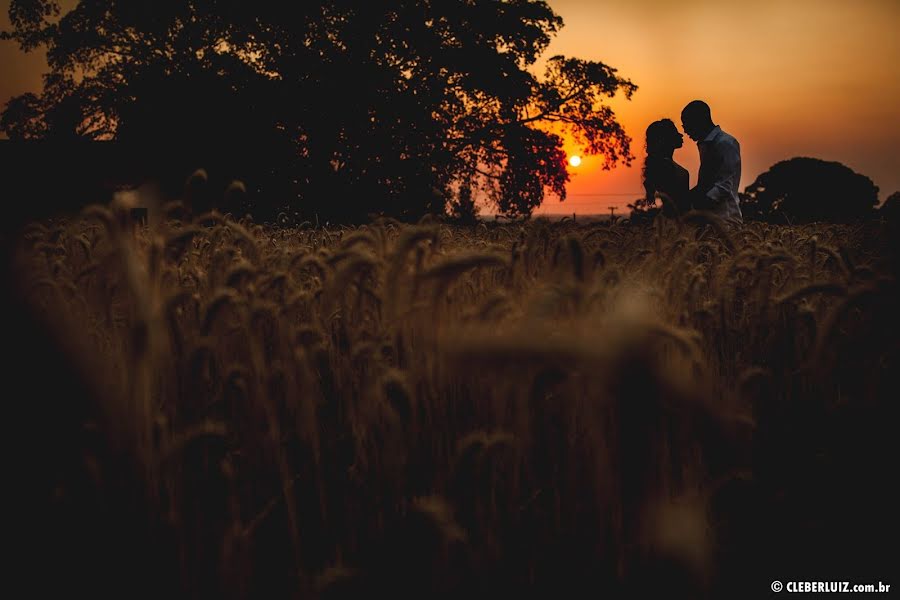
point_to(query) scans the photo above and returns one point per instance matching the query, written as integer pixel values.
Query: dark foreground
(220, 409)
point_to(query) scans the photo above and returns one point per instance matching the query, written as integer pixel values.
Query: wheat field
(427, 410)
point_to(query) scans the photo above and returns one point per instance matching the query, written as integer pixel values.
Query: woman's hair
(660, 136)
(660, 139)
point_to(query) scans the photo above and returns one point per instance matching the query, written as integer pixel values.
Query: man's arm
(720, 186)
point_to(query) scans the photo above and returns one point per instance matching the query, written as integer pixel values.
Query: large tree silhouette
(802, 190)
(351, 106)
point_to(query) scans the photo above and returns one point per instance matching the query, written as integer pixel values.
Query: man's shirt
(720, 176)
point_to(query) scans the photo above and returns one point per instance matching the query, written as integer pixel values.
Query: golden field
(431, 410)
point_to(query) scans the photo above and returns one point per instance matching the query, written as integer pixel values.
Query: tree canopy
(890, 210)
(350, 106)
(803, 190)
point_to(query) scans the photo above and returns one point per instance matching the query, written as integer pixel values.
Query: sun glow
(575, 160)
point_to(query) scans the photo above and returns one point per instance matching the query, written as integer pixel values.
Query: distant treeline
(49, 177)
(41, 178)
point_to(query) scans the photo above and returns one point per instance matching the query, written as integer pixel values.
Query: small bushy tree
(803, 190)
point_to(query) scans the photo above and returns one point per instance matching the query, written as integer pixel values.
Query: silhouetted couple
(720, 167)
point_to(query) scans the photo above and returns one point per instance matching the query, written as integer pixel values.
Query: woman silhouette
(663, 176)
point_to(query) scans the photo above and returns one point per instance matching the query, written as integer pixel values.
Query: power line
(607, 194)
(571, 203)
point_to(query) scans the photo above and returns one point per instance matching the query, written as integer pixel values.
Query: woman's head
(663, 137)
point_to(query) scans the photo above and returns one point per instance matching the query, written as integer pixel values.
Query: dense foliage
(805, 190)
(354, 107)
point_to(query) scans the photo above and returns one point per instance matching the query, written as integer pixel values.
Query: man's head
(696, 120)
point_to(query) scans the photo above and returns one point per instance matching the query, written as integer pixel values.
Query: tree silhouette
(890, 209)
(643, 211)
(463, 209)
(803, 190)
(353, 107)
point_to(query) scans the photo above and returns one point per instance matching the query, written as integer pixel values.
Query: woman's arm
(649, 193)
(651, 186)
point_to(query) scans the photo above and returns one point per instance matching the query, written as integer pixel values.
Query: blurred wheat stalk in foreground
(436, 410)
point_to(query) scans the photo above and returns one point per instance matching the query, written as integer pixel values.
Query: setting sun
(575, 160)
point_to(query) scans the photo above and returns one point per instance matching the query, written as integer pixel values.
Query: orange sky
(786, 77)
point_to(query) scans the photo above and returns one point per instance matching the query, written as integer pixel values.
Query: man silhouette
(720, 164)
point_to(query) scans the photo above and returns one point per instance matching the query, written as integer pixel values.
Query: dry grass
(427, 410)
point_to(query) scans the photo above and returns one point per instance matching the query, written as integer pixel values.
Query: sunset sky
(787, 78)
